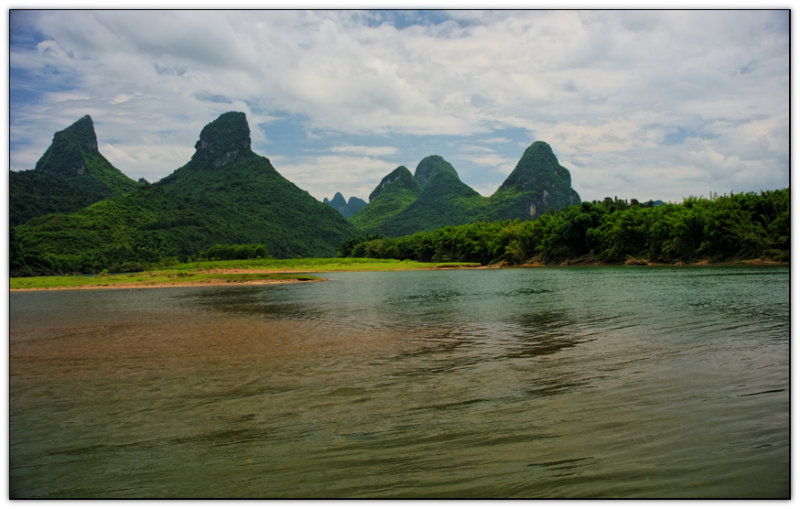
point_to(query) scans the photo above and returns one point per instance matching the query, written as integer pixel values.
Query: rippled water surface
(543, 383)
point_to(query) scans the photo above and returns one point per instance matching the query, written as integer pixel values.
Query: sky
(653, 104)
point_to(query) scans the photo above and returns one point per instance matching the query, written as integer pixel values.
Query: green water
(538, 383)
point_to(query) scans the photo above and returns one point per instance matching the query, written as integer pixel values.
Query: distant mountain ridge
(70, 175)
(435, 196)
(345, 208)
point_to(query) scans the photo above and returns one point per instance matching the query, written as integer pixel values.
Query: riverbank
(224, 273)
(140, 280)
(591, 262)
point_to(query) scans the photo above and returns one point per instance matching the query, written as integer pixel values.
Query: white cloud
(151, 162)
(364, 150)
(323, 176)
(475, 148)
(503, 164)
(495, 141)
(122, 98)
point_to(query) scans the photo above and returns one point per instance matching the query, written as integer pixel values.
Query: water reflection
(245, 300)
(543, 333)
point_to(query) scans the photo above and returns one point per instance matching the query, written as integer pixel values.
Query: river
(592, 382)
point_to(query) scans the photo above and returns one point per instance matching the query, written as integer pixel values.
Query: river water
(527, 383)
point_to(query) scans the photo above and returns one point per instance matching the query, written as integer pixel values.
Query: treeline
(720, 228)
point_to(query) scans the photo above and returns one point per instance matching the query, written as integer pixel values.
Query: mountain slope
(34, 193)
(70, 175)
(393, 194)
(225, 194)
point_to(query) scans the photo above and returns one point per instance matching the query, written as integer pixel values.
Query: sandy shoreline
(220, 282)
(179, 284)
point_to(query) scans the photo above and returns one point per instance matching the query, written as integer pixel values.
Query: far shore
(590, 262)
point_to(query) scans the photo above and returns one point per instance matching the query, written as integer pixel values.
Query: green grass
(193, 272)
(155, 277)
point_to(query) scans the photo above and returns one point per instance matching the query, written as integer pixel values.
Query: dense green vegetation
(435, 196)
(258, 205)
(119, 234)
(35, 193)
(731, 227)
(234, 252)
(394, 193)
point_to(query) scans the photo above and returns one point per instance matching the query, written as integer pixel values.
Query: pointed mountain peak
(224, 140)
(73, 156)
(537, 167)
(338, 201)
(433, 166)
(400, 177)
(541, 148)
(83, 132)
(537, 184)
(65, 154)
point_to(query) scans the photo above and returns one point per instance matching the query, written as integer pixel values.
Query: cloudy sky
(636, 104)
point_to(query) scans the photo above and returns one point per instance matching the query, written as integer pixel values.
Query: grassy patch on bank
(320, 264)
(198, 272)
(147, 278)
